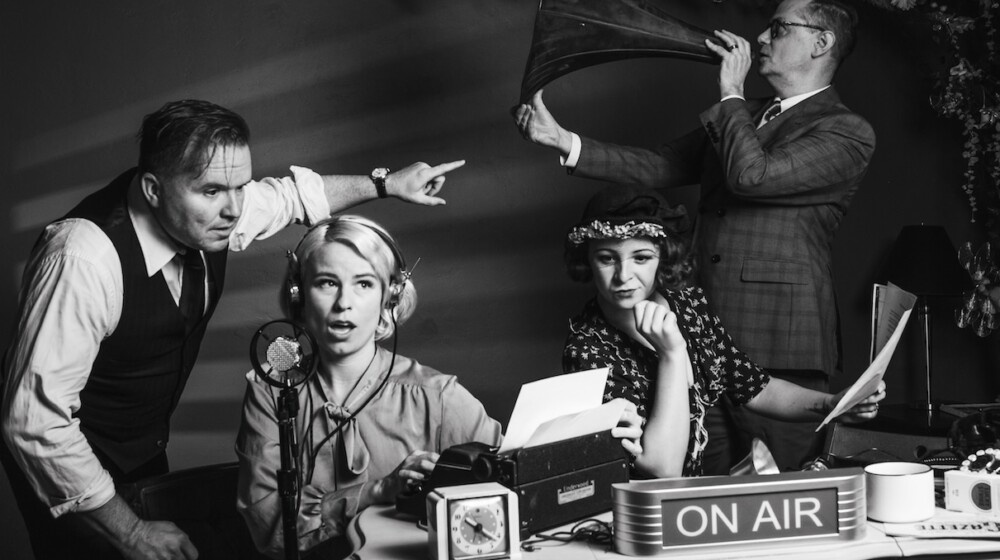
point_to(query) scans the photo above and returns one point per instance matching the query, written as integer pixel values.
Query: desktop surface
(387, 535)
(911, 419)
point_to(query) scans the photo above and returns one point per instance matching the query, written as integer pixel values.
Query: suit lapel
(798, 116)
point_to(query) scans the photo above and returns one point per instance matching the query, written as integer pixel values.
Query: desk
(388, 536)
(906, 419)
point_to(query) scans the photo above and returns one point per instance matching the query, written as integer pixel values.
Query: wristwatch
(378, 176)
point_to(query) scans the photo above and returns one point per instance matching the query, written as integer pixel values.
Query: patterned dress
(716, 363)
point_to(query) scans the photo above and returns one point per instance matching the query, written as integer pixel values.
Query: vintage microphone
(289, 359)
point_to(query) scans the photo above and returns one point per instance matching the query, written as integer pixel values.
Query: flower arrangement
(980, 310)
(967, 89)
(970, 93)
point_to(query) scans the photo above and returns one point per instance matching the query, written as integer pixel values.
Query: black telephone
(466, 463)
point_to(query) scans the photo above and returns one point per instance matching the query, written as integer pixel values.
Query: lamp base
(925, 410)
(924, 405)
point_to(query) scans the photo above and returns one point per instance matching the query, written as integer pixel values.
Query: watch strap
(378, 176)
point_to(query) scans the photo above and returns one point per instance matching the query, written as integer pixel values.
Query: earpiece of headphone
(294, 275)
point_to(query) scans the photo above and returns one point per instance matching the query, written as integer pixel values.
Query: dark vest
(141, 369)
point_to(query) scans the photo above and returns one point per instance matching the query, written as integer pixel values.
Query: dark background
(343, 87)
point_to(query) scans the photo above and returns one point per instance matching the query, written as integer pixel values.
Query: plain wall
(343, 87)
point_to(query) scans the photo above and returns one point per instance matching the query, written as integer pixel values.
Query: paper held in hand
(559, 408)
(891, 307)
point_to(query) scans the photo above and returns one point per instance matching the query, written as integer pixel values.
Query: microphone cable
(340, 425)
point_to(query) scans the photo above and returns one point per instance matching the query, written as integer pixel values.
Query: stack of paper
(891, 307)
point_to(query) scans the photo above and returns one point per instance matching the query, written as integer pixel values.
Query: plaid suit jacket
(771, 202)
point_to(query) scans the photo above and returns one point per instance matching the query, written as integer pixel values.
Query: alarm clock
(473, 522)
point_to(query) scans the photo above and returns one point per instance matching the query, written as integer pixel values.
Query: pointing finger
(446, 167)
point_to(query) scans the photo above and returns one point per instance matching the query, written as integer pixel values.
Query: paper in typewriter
(561, 407)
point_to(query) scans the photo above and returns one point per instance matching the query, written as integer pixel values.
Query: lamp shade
(923, 261)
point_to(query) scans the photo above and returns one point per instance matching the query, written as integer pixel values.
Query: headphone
(397, 282)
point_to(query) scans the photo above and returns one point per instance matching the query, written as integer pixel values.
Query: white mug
(899, 492)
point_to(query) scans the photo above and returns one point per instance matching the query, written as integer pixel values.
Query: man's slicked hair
(840, 18)
(182, 136)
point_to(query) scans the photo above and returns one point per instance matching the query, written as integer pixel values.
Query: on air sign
(656, 516)
(750, 517)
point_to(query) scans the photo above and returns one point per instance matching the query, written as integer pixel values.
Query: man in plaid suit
(776, 176)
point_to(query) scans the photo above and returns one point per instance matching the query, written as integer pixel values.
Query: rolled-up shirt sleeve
(272, 204)
(70, 301)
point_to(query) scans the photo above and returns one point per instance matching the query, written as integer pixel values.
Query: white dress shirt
(71, 299)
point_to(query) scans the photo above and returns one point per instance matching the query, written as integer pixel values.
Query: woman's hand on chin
(414, 469)
(658, 325)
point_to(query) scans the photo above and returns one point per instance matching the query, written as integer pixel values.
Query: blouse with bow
(419, 408)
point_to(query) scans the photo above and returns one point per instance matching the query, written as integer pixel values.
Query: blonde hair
(372, 243)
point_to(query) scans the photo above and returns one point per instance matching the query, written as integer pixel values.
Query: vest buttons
(162, 444)
(715, 259)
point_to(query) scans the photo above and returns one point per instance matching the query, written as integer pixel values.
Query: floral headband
(598, 229)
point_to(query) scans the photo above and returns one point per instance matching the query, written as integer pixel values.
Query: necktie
(192, 301)
(772, 111)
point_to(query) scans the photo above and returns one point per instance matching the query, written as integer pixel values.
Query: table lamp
(924, 262)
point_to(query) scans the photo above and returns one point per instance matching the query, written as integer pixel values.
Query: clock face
(478, 527)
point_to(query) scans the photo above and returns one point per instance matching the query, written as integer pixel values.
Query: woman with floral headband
(666, 352)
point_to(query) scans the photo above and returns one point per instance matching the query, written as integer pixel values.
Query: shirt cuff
(574, 152)
(98, 494)
(734, 96)
(315, 205)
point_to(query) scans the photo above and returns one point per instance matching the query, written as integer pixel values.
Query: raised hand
(420, 183)
(736, 54)
(537, 124)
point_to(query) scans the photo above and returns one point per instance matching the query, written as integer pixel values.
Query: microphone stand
(291, 355)
(288, 474)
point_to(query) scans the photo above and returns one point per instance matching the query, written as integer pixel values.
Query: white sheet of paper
(600, 419)
(888, 304)
(868, 381)
(547, 399)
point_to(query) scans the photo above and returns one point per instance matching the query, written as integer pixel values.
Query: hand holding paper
(892, 312)
(865, 409)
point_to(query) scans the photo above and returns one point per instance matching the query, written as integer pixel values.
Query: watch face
(478, 528)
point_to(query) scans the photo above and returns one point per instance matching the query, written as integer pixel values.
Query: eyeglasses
(778, 27)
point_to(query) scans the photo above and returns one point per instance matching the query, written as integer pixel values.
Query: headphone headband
(395, 288)
(386, 238)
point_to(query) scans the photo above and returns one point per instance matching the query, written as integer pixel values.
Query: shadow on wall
(345, 87)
